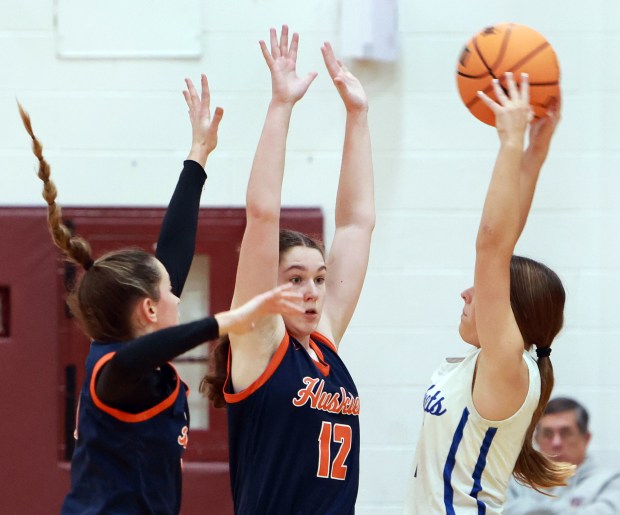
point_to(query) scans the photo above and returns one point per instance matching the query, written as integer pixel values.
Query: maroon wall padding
(44, 343)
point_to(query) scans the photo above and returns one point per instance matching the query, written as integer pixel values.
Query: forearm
(531, 164)
(153, 350)
(355, 200)
(264, 187)
(499, 226)
(177, 238)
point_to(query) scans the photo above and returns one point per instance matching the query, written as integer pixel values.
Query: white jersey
(463, 462)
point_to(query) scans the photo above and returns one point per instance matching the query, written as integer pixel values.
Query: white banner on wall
(134, 29)
(369, 29)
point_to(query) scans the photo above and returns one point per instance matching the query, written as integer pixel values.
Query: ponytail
(213, 384)
(537, 299)
(76, 249)
(534, 468)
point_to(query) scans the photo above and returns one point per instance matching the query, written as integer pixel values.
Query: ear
(146, 311)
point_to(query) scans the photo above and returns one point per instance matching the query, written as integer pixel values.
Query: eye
(320, 280)
(296, 280)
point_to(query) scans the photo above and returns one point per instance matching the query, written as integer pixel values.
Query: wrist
(360, 113)
(199, 152)
(281, 104)
(513, 143)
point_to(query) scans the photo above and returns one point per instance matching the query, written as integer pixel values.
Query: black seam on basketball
(553, 83)
(503, 47)
(486, 91)
(465, 76)
(484, 62)
(529, 56)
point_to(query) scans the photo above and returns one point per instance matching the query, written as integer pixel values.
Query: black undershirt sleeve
(177, 236)
(131, 380)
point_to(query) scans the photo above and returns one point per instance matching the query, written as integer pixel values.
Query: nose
(556, 440)
(467, 294)
(311, 291)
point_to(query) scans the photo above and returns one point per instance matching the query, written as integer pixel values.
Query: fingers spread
(217, 118)
(206, 94)
(266, 54)
(499, 92)
(273, 38)
(294, 46)
(284, 40)
(488, 101)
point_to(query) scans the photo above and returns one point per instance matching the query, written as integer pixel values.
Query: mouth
(311, 313)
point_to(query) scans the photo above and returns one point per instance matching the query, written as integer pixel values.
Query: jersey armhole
(124, 416)
(231, 397)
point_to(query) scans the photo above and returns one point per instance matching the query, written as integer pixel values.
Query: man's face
(559, 437)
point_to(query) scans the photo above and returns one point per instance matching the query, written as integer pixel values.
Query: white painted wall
(115, 132)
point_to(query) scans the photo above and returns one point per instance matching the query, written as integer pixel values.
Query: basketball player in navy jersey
(133, 419)
(292, 405)
(481, 411)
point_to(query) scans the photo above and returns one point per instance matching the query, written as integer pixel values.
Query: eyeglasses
(565, 433)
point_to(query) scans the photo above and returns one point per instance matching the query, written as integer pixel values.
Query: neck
(303, 339)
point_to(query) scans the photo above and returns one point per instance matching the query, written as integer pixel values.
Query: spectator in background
(563, 434)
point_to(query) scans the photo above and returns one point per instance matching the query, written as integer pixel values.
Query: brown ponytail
(104, 298)
(537, 298)
(213, 384)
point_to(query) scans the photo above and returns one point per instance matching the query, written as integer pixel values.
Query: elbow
(364, 219)
(262, 212)
(494, 239)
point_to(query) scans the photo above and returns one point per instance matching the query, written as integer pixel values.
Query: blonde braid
(75, 248)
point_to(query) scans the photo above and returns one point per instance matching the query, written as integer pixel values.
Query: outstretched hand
(204, 127)
(281, 300)
(512, 110)
(286, 86)
(347, 84)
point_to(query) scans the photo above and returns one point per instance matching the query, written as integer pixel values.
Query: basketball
(501, 48)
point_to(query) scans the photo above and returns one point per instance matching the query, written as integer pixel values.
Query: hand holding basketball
(512, 112)
(542, 130)
(508, 47)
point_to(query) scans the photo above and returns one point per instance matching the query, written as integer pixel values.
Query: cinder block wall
(115, 132)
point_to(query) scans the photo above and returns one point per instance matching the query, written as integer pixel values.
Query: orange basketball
(507, 47)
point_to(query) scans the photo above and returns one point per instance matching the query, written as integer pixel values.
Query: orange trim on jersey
(123, 416)
(322, 365)
(262, 379)
(324, 340)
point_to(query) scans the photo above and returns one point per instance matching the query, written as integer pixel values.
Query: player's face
(305, 269)
(559, 437)
(168, 304)
(467, 327)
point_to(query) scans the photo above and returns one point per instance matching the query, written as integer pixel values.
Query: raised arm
(541, 132)
(258, 260)
(257, 270)
(177, 238)
(501, 379)
(355, 205)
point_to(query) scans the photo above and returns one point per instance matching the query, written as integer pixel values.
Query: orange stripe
(321, 364)
(323, 339)
(123, 416)
(262, 379)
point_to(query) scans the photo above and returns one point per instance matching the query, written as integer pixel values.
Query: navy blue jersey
(294, 435)
(127, 463)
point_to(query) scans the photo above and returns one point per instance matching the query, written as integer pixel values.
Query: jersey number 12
(341, 434)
